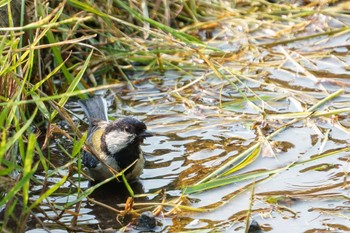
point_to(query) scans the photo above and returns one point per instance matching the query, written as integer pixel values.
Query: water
(191, 141)
(194, 136)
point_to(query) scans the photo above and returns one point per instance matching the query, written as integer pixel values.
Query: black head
(123, 133)
(132, 126)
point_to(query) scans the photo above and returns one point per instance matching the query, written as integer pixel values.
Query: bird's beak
(145, 134)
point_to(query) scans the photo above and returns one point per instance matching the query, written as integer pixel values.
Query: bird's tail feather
(95, 108)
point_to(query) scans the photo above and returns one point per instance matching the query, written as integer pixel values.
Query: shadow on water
(112, 195)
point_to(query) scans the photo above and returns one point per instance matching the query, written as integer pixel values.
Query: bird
(117, 143)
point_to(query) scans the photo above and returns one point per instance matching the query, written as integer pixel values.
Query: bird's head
(124, 132)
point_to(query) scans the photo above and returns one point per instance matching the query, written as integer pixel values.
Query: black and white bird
(117, 143)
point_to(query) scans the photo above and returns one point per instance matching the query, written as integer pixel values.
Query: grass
(76, 47)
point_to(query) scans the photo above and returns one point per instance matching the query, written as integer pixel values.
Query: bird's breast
(101, 172)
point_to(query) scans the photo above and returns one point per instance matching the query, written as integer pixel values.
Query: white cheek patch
(117, 140)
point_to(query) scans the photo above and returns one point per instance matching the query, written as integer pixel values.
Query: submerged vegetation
(250, 72)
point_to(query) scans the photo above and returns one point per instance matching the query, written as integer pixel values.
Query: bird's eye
(127, 129)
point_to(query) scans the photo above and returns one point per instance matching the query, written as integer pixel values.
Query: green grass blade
(131, 192)
(78, 145)
(86, 7)
(42, 157)
(245, 161)
(20, 132)
(41, 106)
(219, 182)
(229, 163)
(27, 168)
